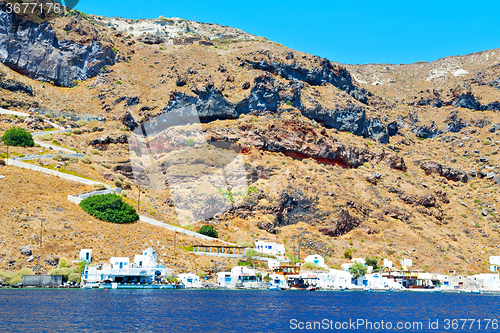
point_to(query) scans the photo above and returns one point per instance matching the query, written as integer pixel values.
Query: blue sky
(344, 31)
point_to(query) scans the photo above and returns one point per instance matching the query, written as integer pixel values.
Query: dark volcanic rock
(15, 86)
(299, 140)
(444, 171)
(33, 49)
(342, 226)
(127, 120)
(325, 73)
(129, 101)
(455, 124)
(427, 132)
(352, 119)
(109, 139)
(467, 101)
(266, 96)
(152, 39)
(493, 106)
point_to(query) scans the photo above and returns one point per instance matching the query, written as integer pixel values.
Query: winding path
(16, 161)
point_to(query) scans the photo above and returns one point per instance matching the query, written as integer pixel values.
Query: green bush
(65, 272)
(46, 137)
(310, 265)
(208, 230)
(76, 131)
(81, 123)
(75, 277)
(190, 142)
(63, 263)
(253, 253)
(10, 278)
(109, 207)
(357, 270)
(348, 253)
(372, 262)
(17, 136)
(85, 159)
(99, 187)
(118, 183)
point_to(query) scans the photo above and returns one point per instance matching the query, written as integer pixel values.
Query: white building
(387, 263)
(335, 279)
(274, 249)
(376, 281)
(243, 275)
(120, 273)
(406, 262)
(316, 259)
(224, 279)
(85, 255)
(278, 281)
(190, 280)
(495, 263)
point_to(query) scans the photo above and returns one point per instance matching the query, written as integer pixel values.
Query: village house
(316, 259)
(120, 273)
(190, 280)
(495, 263)
(274, 249)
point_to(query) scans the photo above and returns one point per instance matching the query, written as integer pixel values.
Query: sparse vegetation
(209, 231)
(109, 207)
(19, 137)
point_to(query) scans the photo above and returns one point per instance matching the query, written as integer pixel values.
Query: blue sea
(70, 310)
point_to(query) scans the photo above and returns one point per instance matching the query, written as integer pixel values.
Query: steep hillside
(391, 160)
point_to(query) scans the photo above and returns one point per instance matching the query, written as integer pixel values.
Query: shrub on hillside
(46, 137)
(209, 231)
(76, 131)
(75, 277)
(17, 136)
(65, 272)
(311, 266)
(86, 159)
(63, 263)
(109, 207)
(10, 278)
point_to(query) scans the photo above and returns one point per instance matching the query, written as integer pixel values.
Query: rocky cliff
(33, 49)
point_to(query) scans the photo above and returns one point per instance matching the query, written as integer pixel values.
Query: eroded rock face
(266, 97)
(444, 171)
(15, 86)
(343, 225)
(301, 140)
(325, 73)
(34, 50)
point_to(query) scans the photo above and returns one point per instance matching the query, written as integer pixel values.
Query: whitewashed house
(490, 282)
(495, 263)
(316, 259)
(243, 275)
(85, 255)
(335, 279)
(406, 263)
(387, 263)
(190, 280)
(278, 281)
(224, 280)
(274, 249)
(376, 281)
(120, 273)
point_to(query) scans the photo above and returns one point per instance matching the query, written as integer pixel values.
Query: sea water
(70, 310)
